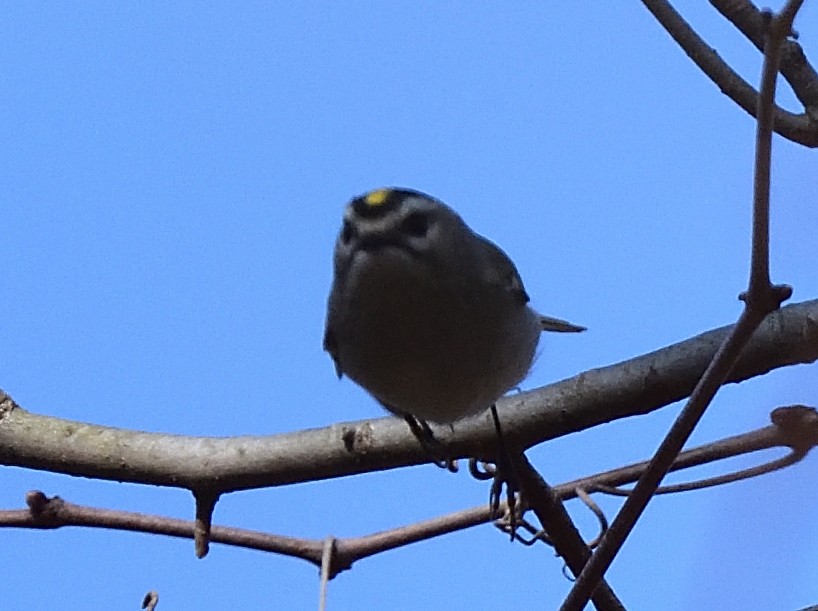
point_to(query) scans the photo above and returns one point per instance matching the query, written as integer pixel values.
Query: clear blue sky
(172, 176)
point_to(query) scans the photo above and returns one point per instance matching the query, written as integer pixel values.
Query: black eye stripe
(416, 224)
(347, 232)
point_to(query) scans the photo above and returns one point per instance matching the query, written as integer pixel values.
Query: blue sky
(173, 176)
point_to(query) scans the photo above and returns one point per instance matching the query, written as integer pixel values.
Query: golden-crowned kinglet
(428, 316)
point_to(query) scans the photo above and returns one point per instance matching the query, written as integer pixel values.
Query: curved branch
(795, 427)
(795, 67)
(637, 386)
(801, 128)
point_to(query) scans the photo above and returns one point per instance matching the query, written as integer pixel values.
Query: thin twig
(760, 300)
(709, 482)
(561, 531)
(586, 499)
(327, 557)
(794, 427)
(206, 499)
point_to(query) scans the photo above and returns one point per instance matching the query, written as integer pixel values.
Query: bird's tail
(560, 326)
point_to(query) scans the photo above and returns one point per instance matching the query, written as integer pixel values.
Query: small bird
(429, 317)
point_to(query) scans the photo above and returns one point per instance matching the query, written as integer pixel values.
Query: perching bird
(428, 316)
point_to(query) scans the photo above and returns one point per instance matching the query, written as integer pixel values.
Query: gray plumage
(428, 316)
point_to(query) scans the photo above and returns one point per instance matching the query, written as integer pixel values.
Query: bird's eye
(347, 232)
(416, 224)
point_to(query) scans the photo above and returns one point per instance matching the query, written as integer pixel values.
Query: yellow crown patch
(377, 197)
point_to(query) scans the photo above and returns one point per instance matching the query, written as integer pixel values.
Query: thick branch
(637, 386)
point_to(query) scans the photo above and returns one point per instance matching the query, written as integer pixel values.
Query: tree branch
(801, 128)
(794, 66)
(562, 532)
(795, 427)
(761, 299)
(637, 386)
